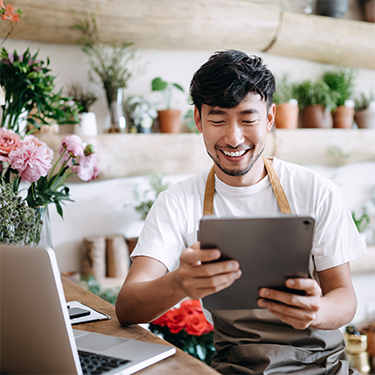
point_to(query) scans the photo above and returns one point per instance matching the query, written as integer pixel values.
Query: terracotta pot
(365, 119)
(370, 11)
(286, 116)
(343, 117)
(169, 121)
(316, 116)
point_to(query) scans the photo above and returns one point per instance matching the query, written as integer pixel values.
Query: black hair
(228, 77)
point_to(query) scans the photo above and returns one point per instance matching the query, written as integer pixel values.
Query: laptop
(36, 332)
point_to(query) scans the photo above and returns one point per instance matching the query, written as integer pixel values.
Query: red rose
(191, 306)
(176, 320)
(196, 324)
(161, 321)
(9, 141)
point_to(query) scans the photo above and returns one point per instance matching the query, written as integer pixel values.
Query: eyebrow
(219, 111)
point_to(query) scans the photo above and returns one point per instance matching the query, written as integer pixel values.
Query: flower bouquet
(187, 328)
(29, 160)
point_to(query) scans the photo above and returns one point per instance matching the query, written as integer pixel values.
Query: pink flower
(9, 141)
(31, 161)
(31, 139)
(73, 145)
(87, 168)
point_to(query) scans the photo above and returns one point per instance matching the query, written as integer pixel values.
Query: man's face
(235, 137)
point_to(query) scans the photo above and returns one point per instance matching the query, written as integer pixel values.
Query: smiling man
(232, 93)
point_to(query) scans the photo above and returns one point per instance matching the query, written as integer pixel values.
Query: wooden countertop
(180, 363)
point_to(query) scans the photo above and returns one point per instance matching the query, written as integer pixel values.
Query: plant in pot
(342, 82)
(142, 114)
(286, 103)
(87, 125)
(364, 115)
(169, 119)
(316, 101)
(109, 64)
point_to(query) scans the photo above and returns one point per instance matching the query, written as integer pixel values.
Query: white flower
(2, 96)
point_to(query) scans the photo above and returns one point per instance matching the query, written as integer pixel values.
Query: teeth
(237, 153)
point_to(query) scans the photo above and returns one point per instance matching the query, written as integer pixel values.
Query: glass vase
(115, 103)
(43, 235)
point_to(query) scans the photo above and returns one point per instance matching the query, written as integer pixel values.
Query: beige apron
(256, 342)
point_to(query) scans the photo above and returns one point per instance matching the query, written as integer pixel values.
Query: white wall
(69, 63)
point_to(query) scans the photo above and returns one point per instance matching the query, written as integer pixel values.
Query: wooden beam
(203, 25)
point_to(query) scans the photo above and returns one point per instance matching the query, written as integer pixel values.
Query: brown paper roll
(117, 256)
(94, 251)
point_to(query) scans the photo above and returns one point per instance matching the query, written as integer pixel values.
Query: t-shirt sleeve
(336, 239)
(161, 237)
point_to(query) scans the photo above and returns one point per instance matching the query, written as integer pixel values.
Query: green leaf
(178, 87)
(158, 84)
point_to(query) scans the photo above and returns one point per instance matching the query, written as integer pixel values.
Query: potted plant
(142, 114)
(169, 119)
(365, 111)
(316, 101)
(109, 63)
(341, 81)
(85, 99)
(286, 104)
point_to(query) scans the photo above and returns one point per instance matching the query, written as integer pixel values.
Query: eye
(217, 122)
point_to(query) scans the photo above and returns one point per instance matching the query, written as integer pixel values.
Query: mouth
(235, 155)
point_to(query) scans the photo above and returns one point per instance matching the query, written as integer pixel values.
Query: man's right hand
(197, 278)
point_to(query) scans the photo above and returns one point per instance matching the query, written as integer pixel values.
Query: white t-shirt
(173, 220)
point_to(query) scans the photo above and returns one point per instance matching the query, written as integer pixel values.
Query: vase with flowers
(187, 328)
(28, 161)
(109, 63)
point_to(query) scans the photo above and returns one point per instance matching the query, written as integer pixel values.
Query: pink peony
(73, 145)
(87, 168)
(31, 139)
(31, 161)
(9, 141)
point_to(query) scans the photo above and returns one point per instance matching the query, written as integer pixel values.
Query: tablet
(270, 249)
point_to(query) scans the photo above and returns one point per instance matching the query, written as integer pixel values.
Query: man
(232, 93)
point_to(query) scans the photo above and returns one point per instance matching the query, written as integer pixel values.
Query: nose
(234, 136)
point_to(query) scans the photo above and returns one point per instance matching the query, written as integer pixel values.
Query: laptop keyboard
(97, 364)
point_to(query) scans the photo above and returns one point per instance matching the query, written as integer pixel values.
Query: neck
(253, 176)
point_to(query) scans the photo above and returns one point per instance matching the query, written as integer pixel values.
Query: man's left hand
(299, 311)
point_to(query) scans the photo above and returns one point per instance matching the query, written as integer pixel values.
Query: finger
(296, 322)
(202, 287)
(213, 269)
(310, 286)
(310, 303)
(196, 257)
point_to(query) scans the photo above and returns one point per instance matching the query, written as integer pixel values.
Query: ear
(271, 117)
(197, 119)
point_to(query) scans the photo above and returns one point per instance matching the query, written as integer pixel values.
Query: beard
(235, 171)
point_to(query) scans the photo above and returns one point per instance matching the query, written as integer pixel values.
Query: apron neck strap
(208, 206)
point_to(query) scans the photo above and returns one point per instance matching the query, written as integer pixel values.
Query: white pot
(88, 125)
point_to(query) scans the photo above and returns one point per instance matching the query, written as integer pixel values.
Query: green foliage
(109, 63)
(166, 88)
(362, 221)
(342, 82)
(149, 196)
(92, 285)
(29, 88)
(84, 98)
(285, 89)
(309, 93)
(18, 224)
(362, 101)
(200, 347)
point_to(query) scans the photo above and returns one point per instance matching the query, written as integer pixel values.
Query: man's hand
(197, 278)
(299, 311)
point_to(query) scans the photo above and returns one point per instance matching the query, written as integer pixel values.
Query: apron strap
(208, 204)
